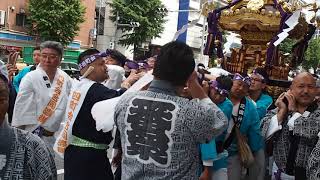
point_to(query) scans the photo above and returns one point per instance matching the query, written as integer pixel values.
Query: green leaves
(286, 45)
(312, 55)
(149, 13)
(57, 20)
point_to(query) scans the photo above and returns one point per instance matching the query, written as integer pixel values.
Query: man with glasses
(41, 102)
(246, 118)
(257, 92)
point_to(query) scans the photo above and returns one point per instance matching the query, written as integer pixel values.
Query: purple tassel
(214, 33)
(284, 17)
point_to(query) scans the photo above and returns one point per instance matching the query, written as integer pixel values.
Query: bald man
(294, 128)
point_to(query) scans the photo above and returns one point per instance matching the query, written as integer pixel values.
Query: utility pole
(203, 33)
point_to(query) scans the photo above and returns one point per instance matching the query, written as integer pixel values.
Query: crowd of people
(184, 124)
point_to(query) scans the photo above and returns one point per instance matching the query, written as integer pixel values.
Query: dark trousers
(117, 173)
(86, 163)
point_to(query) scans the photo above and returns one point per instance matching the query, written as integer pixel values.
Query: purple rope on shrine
(213, 30)
(301, 46)
(284, 17)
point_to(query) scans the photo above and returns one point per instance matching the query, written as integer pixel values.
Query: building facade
(107, 33)
(13, 31)
(178, 15)
(180, 12)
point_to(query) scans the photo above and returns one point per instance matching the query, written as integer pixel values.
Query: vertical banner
(183, 18)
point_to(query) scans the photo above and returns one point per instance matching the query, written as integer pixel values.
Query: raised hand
(292, 107)
(132, 78)
(12, 69)
(195, 88)
(282, 107)
(13, 58)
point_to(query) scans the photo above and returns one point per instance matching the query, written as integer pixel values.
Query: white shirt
(34, 95)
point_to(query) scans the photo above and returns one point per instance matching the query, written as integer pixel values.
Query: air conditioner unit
(2, 18)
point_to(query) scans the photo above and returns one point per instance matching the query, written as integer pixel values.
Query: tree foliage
(148, 13)
(312, 55)
(286, 45)
(57, 20)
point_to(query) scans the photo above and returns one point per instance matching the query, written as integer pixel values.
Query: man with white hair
(42, 99)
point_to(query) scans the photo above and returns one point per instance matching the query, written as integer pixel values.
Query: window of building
(100, 19)
(21, 19)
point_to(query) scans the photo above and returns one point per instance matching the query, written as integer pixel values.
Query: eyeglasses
(49, 56)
